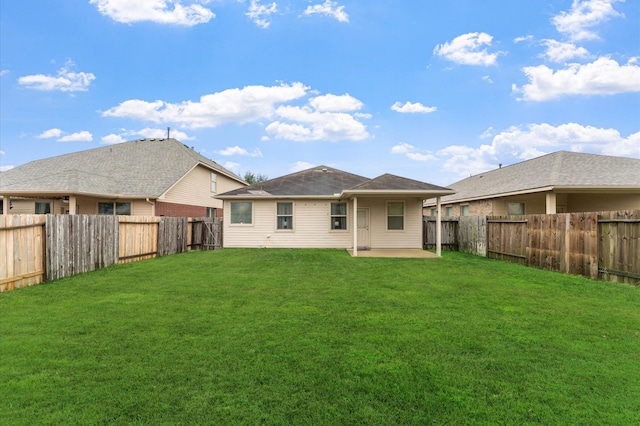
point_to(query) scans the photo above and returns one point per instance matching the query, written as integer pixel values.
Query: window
(284, 213)
(43, 208)
(242, 212)
(434, 212)
(214, 182)
(114, 208)
(338, 215)
(395, 215)
(464, 210)
(211, 212)
(515, 209)
(449, 211)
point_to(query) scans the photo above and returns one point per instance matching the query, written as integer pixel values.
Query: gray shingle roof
(141, 168)
(328, 182)
(561, 169)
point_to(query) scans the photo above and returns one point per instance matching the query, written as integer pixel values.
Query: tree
(251, 178)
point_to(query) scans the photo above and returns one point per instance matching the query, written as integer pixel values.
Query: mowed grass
(315, 337)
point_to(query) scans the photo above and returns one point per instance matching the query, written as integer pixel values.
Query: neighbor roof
(323, 181)
(561, 170)
(141, 168)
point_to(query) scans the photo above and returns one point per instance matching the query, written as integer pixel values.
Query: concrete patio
(406, 253)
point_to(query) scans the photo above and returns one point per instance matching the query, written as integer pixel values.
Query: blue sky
(435, 91)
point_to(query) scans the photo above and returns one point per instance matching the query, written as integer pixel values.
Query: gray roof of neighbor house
(562, 170)
(323, 181)
(141, 168)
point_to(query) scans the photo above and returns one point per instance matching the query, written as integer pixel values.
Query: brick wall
(179, 210)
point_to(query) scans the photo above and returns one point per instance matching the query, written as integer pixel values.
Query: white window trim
(404, 215)
(346, 216)
(214, 182)
(293, 212)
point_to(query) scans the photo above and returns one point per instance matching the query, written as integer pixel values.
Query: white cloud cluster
(519, 143)
(412, 108)
(558, 51)
(248, 104)
(578, 22)
(326, 117)
(604, 76)
(469, 49)
(236, 150)
(81, 136)
(299, 166)
(65, 80)
(328, 8)
(158, 11)
(259, 13)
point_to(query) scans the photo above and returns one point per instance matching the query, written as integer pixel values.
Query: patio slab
(408, 253)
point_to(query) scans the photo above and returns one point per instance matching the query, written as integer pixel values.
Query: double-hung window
(395, 215)
(284, 213)
(338, 215)
(114, 208)
(214, 182)
(43, 208)
(515, 209)
(241, 212)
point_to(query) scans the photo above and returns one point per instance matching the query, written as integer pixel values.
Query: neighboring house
(562, 182)
(148, 177)
(322, 207)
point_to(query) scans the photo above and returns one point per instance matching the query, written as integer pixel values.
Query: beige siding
(195, 188)
(312, 227)
(602, 202)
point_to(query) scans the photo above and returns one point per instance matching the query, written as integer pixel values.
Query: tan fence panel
(80, 243)
(22, 258)
(138, 238)
(619, 246)
(507, 239)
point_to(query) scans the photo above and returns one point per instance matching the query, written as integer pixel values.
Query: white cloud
(467, 49)
(335, 103)
(51, 133)
(410, 107)
(5, 168)
(234, 167)
(558, 51)
(522, 38)
(236, 150)
(248, 104)
(300, 166)
(4, 72)
(158, 11)
(82, 136)
(259, 13)
(65, 81)
(520, 143)
(578, 22)
(309, 125)
(112, 139)
(412, 152)
(328, 8)
(487, 78)
(323, 118)
(602, 77)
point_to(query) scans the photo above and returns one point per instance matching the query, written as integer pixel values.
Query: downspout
(153, 206)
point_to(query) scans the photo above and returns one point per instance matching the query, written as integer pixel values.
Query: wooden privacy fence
(598, 245)
(37, 248)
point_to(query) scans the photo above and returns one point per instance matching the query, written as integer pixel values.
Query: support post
(551, 201)
(438, 227)
(355, 226)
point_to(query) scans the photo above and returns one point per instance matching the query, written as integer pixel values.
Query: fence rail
(37, 248)
(598, 245)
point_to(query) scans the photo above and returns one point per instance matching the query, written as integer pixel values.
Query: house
(156, 177)
(561, 182)
(327, 208)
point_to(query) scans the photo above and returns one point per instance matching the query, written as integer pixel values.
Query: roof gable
(141, 168)
(561, 169)
(389, 182)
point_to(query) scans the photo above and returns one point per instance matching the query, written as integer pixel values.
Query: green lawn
(315, 337)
